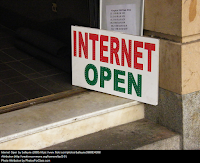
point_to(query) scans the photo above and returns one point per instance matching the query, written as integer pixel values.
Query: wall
(177, 24)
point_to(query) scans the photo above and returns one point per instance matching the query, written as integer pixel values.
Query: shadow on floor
(23, 77)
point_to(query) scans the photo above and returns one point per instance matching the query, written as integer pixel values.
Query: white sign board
(122, 15)
(116, 63)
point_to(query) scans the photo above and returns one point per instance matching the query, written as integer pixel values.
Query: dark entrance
(33, 34)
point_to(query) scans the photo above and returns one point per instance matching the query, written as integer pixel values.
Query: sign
(122, 15)
(116, 63)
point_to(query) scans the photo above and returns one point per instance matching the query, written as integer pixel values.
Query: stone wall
(177, 24)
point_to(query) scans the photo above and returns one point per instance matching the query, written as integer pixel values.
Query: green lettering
(103, 77)
(92, 67)
(137, 87)
(118, 80)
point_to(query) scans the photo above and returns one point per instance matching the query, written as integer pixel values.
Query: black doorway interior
(25, 76)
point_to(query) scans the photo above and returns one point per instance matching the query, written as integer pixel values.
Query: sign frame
(139, 13)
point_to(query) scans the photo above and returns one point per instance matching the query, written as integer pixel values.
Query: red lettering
(75, 53)
(137, 44)
(126, 53)
(83, 45)
(103, 48)
(150, 47)
(114, 51)
(94, 38)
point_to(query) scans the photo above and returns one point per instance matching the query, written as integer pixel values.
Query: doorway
(25, 76)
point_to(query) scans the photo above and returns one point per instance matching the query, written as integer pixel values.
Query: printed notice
(121, 18)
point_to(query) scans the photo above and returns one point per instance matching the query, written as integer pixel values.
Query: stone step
(47, 124)
(141, 135)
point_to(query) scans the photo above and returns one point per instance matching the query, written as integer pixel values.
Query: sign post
(115, 63)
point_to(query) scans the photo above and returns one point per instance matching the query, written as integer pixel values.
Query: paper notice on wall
(121, 18)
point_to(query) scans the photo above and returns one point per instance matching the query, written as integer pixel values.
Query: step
(47, 124)
(141, 135)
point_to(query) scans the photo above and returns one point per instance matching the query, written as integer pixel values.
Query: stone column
(177, 24)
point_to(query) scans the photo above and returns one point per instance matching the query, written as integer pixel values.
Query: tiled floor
(23, 77)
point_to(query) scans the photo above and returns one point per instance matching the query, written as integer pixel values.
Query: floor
(23, 77)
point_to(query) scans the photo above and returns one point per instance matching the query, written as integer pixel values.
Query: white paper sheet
(121, 18)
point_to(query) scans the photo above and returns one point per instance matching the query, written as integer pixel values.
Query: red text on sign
(120, 50)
